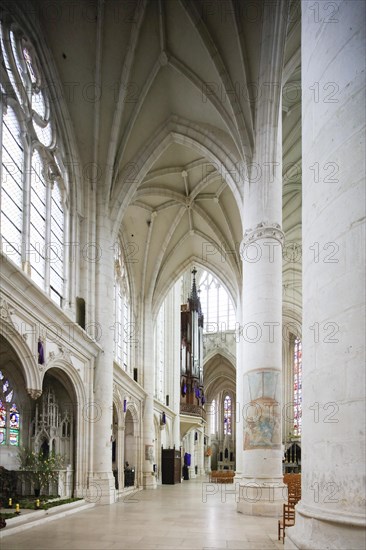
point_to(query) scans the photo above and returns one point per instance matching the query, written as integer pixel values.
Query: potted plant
(38, 468)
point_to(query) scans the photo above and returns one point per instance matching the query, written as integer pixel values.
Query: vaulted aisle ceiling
(179, 213)
(161, 96)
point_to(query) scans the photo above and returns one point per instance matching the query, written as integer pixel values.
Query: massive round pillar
(331, 513)
(261, 454)
(98, 414)
(175, 397)
(149, 458)
(259, 373)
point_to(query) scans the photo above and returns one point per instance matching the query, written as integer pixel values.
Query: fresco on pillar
(261, 410)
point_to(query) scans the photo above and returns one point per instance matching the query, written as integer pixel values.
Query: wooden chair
(294, 495)
(293, 482)
(288, 520)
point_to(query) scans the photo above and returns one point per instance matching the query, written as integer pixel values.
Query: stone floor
(170, 517)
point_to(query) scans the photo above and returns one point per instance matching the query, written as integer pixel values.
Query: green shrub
(39, 468)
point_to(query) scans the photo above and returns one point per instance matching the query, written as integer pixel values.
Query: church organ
(192, 396)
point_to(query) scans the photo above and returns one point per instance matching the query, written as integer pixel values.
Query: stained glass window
(2, 415)
(297, 386)
(9, 414)
(9, 397)
(227, 415)
(32, 213)
(14, 417)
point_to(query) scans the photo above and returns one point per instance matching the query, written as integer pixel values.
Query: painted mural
(261, 411)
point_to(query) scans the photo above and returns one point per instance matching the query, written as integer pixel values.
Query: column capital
(263, 230)
(34, 393)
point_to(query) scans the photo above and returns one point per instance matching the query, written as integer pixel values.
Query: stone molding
(6, 311)
(263, 230)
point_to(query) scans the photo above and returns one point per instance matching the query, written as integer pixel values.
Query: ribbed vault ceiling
(172, 124)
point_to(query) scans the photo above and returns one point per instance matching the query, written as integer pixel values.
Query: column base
(261, 498)
(100, 488)
(148, 480)
(315, 528)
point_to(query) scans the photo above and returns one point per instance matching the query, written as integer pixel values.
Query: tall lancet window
(33, 175)
(217, 307)
(213, 412)
(297, 386)
(123, 328)
(160, 355)
(227, 415)
(12, 187)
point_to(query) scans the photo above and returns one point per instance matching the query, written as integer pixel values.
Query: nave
(170, 517)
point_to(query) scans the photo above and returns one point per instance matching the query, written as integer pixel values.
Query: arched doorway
(130, 453)
(115, 448)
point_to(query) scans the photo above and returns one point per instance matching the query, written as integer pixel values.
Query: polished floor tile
(170, 517)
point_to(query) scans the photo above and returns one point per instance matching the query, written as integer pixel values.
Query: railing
(194, 410)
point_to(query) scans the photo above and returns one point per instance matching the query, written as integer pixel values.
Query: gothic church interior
(182, 251)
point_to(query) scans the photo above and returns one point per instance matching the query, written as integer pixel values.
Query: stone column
(121, 456)
(100, 411)
(261, 455)
(192, 470)
(238, 404)
(148, 458)
(175, 405)
(259, 374)
(191, 452)
(210, 418)
(200, 456)
(331, 513)
(209, 431)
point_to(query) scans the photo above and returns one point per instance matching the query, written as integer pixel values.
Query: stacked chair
(293, 482)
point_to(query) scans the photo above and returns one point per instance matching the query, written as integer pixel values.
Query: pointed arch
(65, 372)
(161, 290)
(27, 361)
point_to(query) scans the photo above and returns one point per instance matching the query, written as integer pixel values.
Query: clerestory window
(33, 192)
(216, 304)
